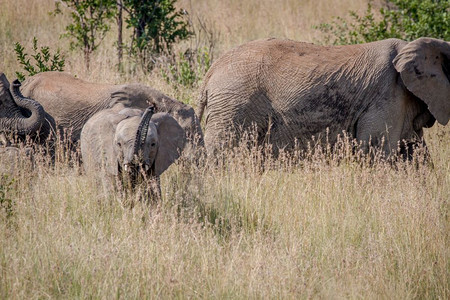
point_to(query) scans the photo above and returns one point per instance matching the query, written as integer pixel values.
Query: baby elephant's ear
(424, 66)
(171, 138)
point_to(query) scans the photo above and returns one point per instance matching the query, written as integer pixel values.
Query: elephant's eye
(153, 144)
(119, 144)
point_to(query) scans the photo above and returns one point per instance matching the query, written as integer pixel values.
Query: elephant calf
(131, 141)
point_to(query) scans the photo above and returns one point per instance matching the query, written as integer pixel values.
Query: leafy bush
(403, 19)
(43, 60)
(188, 68)
(90, 23)
(156, 26)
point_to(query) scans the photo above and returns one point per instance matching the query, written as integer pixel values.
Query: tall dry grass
(246, 227)
(240, 21)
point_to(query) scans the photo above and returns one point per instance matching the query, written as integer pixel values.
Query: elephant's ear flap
(97, 142)
(424, 66)
(171, 138)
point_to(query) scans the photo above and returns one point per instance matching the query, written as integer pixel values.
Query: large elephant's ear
(424, 66)
(171, 141)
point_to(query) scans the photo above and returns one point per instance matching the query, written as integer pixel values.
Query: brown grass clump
(243, 226)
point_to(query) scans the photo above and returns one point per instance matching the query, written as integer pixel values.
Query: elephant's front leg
(387, 123)
(390, 139)
(379, 135)
(374, 142)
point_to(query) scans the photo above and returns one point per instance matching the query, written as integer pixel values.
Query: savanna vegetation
(328, 226)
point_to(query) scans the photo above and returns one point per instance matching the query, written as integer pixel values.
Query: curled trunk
(142, 130)
(33, 123)
(22, 116)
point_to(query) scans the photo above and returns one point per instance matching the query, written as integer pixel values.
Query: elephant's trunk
(22, 124)
(142, 130)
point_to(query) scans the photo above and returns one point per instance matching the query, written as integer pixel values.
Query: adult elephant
(128, 140)
(72, 101)
(382, 91)
(21, 116)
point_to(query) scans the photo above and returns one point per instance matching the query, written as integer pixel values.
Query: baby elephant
(128, 141)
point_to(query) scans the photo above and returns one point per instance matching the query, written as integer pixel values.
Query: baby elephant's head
(150, 141)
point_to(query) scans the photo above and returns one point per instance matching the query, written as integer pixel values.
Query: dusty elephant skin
(129, 140)
(72, 101)
(386, 90)
(21, 116)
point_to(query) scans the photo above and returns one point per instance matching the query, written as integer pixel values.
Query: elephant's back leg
(219, 116)
(232, 116)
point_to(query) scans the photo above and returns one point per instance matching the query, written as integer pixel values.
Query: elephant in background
(21, 117)
(72, 102)
(127, 141)
(387, 91)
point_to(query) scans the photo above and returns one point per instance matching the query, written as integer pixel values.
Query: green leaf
(41, 60)
(404, 19)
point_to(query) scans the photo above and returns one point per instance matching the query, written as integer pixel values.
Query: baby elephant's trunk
(141, 135)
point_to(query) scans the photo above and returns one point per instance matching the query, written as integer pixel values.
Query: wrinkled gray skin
(20, 116)
(389, 89)
(72, 101)
(108, 143)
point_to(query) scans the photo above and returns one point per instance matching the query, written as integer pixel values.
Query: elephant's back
(271, 53)
(69, 100)
(57, 89)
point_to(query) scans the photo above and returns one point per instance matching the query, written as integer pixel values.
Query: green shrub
(90, 23)
(43, 60)
(188, 68)
(157, 25)
(403, 19)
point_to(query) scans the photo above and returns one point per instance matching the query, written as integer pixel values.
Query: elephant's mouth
(135, 168)
(127, 168)
(130, 168)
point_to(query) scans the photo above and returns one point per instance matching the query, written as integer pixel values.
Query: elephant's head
(424, 66)
(140, 96)
(153, 141)
(19, 115)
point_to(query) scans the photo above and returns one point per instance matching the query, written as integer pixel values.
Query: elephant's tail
(202, 104)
